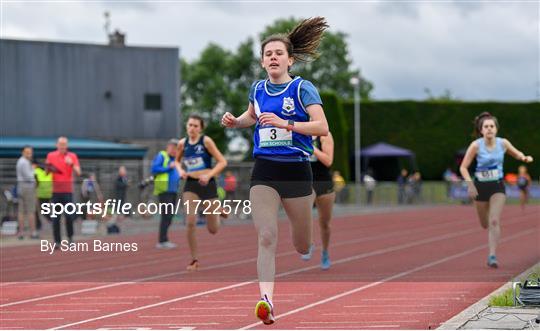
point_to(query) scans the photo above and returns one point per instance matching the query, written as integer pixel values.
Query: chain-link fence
(140, 186)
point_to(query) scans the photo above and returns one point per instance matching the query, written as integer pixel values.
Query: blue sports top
(196, 156)
(489, 164)
(288, 101)
(308, 92)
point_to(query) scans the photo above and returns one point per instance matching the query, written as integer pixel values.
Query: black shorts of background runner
(322, 179)
(487, 189)
(289, 179)
(322, 188)
(204, 192)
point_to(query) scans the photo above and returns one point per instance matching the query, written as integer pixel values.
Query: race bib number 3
(488, 175)
(272, 137)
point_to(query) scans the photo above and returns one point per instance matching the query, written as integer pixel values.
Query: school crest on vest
(288, 107)
(199, 149)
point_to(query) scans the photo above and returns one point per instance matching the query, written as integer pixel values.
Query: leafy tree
(219, 80)
(444, 97)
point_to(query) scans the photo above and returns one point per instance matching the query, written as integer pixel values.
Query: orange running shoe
(265, 311)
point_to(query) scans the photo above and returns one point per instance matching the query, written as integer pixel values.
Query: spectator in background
(166, 183)
(402, 182)
(144, 194)
(416, 186)
(63, 163)
(339, 185)
(120, 186)
(26, 191)
(44, 190)
(449, 177)
(369, 183)
(523, 182)
(230, 185)
(90, 191)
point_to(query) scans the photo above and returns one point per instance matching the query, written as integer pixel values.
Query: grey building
(105, 92)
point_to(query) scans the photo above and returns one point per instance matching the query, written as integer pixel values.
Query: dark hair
(479, 121)
(197, 117)
(26, 146)
(302, 42)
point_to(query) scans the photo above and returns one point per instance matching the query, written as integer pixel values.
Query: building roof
(84, 148)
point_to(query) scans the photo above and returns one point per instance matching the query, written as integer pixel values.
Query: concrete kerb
(472, 311)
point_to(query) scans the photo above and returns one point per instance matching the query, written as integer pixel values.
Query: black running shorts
(289, 179)
(487, 189)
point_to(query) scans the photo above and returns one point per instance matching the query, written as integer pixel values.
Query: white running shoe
(166, 245)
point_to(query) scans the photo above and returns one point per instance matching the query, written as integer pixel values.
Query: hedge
(435, 131)
(337, 122)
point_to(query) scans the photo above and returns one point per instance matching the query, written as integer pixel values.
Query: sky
(478, 50)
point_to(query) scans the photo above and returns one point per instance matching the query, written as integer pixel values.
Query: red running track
(403, 270)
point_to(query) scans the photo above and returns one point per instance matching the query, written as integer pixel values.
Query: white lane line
(396, 276)
(205, 315)
(33, 319)
(159, 324)
(409, 299)
(85, 303)
(154, 305)
(47, 311)
(276, 295)
(398, 306)
(342, 243)
(223, 265)
(377, 322)
(342, 322)
(220, 289)
(356, 326)
(212, 308)
(63, 294)
(124, 266)
(416, 293)
(119, 297)
(379, 313)
(98, 270)
(238, 301)
(136, 281)
(151, 261)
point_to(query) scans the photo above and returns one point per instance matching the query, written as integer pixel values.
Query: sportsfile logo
(116, 207)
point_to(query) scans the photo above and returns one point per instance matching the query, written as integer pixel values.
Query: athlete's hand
(204, 179)
(183, 174)
(228, 120)
(471, 190)
(272, 119)
(528, 159)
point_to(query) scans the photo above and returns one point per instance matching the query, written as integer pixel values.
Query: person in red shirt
(230, 185)
(62, 164)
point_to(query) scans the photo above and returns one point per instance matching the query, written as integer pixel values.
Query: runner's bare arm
(518, 155)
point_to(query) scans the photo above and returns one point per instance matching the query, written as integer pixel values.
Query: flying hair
(303, 41)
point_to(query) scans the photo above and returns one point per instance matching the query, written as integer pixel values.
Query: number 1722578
(217, 207)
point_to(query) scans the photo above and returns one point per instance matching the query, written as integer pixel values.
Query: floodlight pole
(355, 81)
